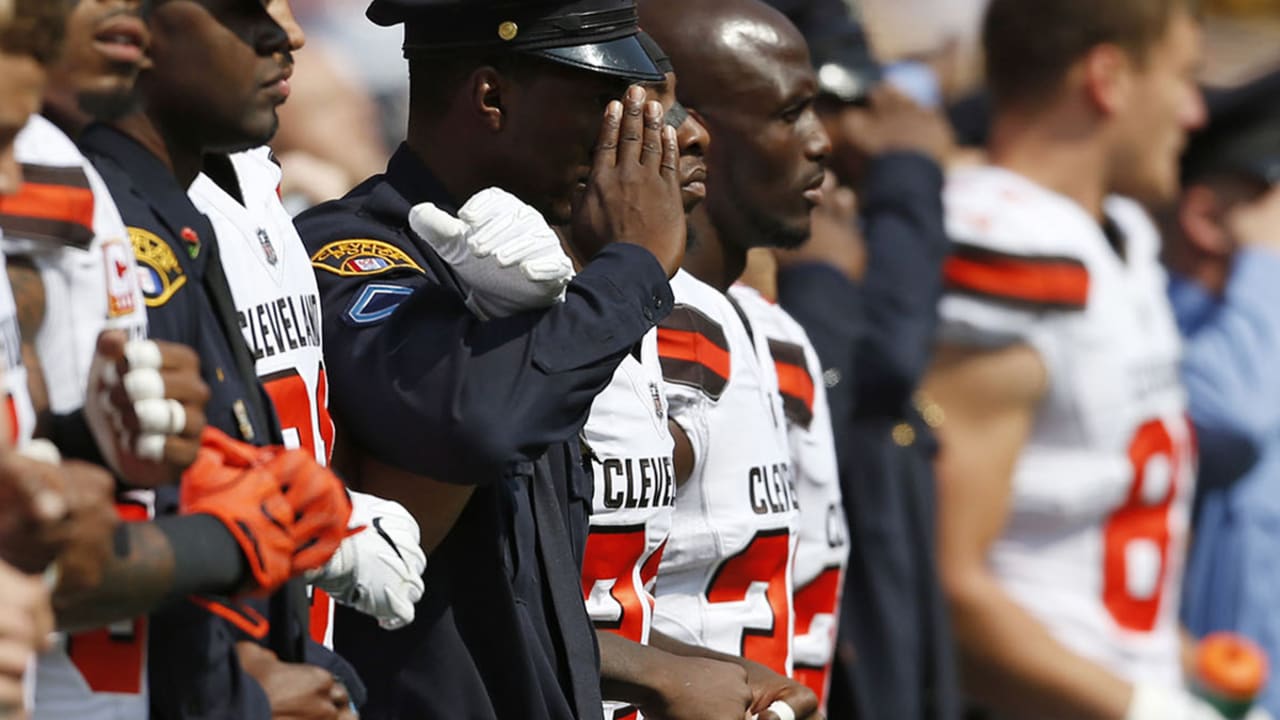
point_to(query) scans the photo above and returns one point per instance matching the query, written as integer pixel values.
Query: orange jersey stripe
(1051, 282)
(60, 203)
(693, 347)
(795, 382)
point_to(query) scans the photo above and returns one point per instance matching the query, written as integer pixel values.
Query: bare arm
(1011, 662)
(435, 505)
(28, 294)
(684, 457)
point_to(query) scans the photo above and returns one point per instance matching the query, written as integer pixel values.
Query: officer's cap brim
(624, 58)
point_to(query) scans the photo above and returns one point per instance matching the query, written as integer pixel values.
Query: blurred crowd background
(350, 91)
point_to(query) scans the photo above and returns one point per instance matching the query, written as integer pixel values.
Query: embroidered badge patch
(121, 279)
(376, 302)
(159, 272)
(354, 258)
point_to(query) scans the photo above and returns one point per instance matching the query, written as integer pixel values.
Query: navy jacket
(875, 341)
(193, 669)
(419, 383)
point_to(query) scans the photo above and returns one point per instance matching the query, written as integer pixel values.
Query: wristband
(207, 560)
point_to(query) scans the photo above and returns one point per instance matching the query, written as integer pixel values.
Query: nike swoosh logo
(377, 525)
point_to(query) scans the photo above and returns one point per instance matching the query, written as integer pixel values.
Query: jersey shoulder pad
(55, 204)
(1015, 244)
(694, 351)
(790, 349)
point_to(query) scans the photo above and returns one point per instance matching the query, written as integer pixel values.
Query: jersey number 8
(1137, 535)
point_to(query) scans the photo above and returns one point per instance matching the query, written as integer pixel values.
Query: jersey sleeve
(422, 384)
(694, 353)
(1008, 276)
(821, 549)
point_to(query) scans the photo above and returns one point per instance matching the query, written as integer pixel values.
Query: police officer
(471, 424)
(148, 158)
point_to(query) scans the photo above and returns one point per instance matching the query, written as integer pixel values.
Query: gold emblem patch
(354, 258)
(159, 272)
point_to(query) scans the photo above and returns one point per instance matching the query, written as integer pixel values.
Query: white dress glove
(1157, 702)
(502, 248)
(378, 571)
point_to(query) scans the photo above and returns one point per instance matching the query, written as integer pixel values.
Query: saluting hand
(633, 193)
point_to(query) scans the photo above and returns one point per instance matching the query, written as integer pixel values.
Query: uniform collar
(151, 182)
(415, 182)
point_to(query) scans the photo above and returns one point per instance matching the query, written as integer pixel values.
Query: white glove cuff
(1157, 702)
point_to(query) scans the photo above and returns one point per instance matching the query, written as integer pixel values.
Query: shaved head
(717, 45)
(744, 70)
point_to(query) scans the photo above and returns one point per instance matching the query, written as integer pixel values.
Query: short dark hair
(35, 28)
(434, 78)
(1031, 45)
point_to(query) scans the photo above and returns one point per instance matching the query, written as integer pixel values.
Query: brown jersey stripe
(1036, 282)
(56, 213)
(691, 319)
(691, 359)
(794, 381)
(73, 177)
(694, 351)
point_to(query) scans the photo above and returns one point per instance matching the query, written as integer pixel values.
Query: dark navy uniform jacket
(875, 341)
(193, 670)
(417, 382)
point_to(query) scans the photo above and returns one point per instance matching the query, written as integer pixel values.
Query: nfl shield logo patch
(656, 394)
(268, 249)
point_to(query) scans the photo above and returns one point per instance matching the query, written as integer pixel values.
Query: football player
(726, 580)
(148, 157)
(1067, 459)
(278, 306)
(822, 551)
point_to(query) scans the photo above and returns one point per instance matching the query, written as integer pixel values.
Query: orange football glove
(230, 481)
(321, 505)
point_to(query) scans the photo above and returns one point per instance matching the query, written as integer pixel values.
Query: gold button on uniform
(508, 31)
(904, 435)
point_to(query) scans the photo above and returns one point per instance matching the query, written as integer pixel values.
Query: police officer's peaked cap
(1243, 133)
(594, 35)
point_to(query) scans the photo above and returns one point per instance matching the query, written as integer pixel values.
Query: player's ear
(488, 86)
(1202, 220)
(1107, 74)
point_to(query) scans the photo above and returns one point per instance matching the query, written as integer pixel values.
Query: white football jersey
(19, 415)
(274, 288)
(822, 551)
(630, 447)
(278, 303)
(65, 221)
(725, 580)
(1095, 538)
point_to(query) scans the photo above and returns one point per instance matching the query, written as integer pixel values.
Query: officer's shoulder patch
(159, 272)
(376, 302)
(362, 257)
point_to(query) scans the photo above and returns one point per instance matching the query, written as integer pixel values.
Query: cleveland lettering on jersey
(283, 324)
(638, 483)
(772, 489)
